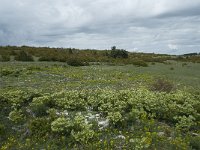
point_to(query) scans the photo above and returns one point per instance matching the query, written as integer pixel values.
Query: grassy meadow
(103, 105)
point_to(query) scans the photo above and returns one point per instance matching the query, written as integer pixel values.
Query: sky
(159, 26)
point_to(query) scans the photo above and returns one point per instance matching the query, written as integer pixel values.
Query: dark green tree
(118, 53)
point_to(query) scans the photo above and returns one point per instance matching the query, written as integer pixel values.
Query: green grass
(57, 76)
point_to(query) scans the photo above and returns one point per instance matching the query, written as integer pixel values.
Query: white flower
(121, 137)
(65, 113)
(161, 133)
(104, 123)
(86, 121)
(91, 117)
(97, 116)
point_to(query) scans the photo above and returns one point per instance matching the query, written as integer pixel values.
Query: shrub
(162, 85)
(23, 56)
(118, 53)
(2, 129)
(5, 58)
(16, 116)
(184, 64)
(140, 63)
(194, 142)
(76, 62)
(39, 105)
(39, 126)
(6, 72)
(61, 125)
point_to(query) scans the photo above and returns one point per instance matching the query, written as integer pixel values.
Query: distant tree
(70, 51)
(113, 48)
(118, 53)
(23, 56)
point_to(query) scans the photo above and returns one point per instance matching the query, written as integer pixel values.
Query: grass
(57, 76)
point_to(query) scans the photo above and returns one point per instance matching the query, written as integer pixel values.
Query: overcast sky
(160, 26)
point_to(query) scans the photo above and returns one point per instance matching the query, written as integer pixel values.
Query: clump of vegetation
(140, 63)
(23, 56)
(118, 53)
(4, 58)
(184, 64)
(6, 72)
(9, 72)
(76, 62)
(162, 85)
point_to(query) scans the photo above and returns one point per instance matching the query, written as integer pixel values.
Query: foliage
(118, 53)
(5, 72)
(62, 125)
(2, 130)
(5, 58)
(23, 56)
(140, 63)
(39, 127)
(26, 53)
(16, 116)
(162, 85)
(76, 62)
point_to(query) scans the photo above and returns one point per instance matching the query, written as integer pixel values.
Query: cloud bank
(164, 26)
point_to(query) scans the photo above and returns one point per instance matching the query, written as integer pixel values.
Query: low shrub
(39, 127)
(76, 62)
(23, 56)
(2, 130)
(6, 72)
(5, 58)
(162, 85)
(140, 63)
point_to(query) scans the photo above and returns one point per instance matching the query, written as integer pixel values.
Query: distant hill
(115, 56)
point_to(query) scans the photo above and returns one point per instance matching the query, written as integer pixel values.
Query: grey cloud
(149, 26)
(193, 11)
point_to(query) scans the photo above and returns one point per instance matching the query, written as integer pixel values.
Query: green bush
(39, 126)
(140, 63)
(62, 125)
(16, 116)
(2, 130)
(76, 62)
(24, 56)
(6, 72)
(194, 142)
(40, 105)
(5, 58)
(118, 53)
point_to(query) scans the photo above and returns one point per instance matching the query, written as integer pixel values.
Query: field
(51, 105)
